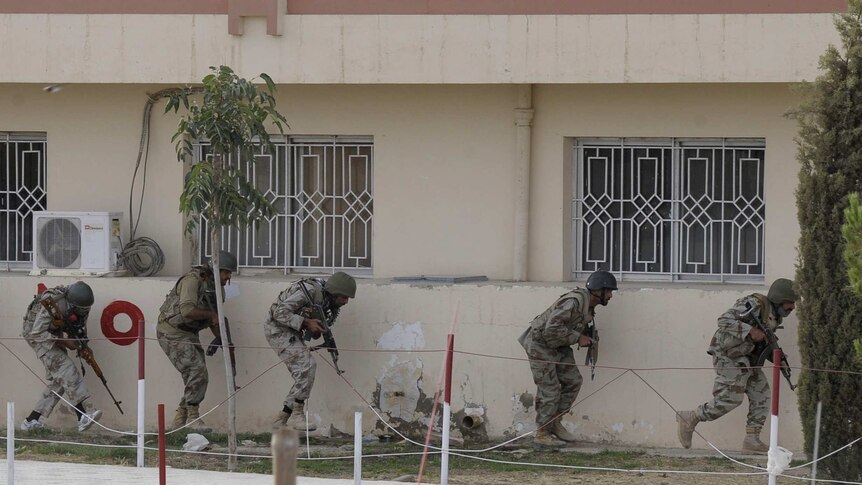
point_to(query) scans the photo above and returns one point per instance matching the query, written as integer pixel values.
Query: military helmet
(80, 295)
(782, 291)
(226, 262)
(599, 280)
(341, 284)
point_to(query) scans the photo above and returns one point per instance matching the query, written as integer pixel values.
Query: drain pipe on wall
(523, 151)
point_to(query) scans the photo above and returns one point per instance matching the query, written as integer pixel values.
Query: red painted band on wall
(434, 7)
(120, 307)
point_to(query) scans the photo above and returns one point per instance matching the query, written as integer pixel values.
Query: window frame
(677, 214)
(287, 147)
(38, 195)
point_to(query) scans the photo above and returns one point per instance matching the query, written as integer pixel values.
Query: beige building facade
(530, 146)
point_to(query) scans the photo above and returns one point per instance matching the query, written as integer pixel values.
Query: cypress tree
(852, 232)
(830, 154)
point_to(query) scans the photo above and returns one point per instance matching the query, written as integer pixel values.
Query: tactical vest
(537, 325)
(578, 294)
(315, 287)
(170, 314)
(58, 294)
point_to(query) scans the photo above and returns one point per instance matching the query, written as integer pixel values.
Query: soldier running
(291, 321)
(46, 337)
(732, 349)
(189, 308)
(548, 342)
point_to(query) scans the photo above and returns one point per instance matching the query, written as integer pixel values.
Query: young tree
(233, 116)
(830, 153)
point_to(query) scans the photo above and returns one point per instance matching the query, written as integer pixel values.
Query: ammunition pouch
(187, 328)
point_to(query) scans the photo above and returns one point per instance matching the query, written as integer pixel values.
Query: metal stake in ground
(10, 443)
(357, 448)
(447, 412)
(162, 475)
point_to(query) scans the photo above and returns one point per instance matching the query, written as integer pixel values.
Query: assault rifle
(77, 330)
(763, 350)
(325, 321)
(216, 343)
(210, 296)
(593, 349)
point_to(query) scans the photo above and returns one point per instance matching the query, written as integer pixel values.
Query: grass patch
(521, 461)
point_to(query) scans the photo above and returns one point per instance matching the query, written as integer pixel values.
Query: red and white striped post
(773, 424)
(141, 407)
(447, 412)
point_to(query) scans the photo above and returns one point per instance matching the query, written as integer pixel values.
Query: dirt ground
(609, 478)
(686, 466)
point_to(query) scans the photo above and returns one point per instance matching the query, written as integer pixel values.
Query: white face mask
(231, 291)
(783, 312)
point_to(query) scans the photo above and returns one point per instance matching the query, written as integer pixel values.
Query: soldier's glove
(214, 346)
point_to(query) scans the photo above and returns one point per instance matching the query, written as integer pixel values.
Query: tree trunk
(229, 377)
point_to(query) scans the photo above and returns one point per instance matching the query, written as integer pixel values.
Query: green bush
(830, 153)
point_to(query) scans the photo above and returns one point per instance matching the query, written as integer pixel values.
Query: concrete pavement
(54, 473)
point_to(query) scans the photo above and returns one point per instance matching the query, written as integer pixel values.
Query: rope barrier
(466, 453)
(478, 354)
(215, 453)
(607, 469)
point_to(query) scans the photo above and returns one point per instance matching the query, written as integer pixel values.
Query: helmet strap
(601, 296)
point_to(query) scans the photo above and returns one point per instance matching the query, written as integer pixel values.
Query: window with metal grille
(669, 209)
(323, 191)
(22, 191)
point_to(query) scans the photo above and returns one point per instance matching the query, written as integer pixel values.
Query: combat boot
(193, 413)
(28, 425)
(752, 441)
(546, 438)
(280, 420)
(87, 419)
(687, 421)
(181, 417)
(560, 431)
(297, 419)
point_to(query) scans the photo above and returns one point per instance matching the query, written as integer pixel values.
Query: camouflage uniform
(60, 371)
(731, 349)
(549, 338)
(178, 334)
(283, 331)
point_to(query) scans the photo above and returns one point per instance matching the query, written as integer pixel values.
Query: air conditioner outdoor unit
(76, 243)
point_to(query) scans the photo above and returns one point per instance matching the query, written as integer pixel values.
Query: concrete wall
(381, 49)
(741, 110)
(444, 158)
(389, 336)
(443, 177)
(443, 164)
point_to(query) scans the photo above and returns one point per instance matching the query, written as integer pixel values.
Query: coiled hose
(143, 257)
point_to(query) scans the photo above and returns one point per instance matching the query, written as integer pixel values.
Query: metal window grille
(22, 191)
(670, 209)
(323, 191)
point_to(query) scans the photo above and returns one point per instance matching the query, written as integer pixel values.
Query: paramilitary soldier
(51, 344)
(292, 320)
(732, 349)
(548, 342)
(189, 308)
